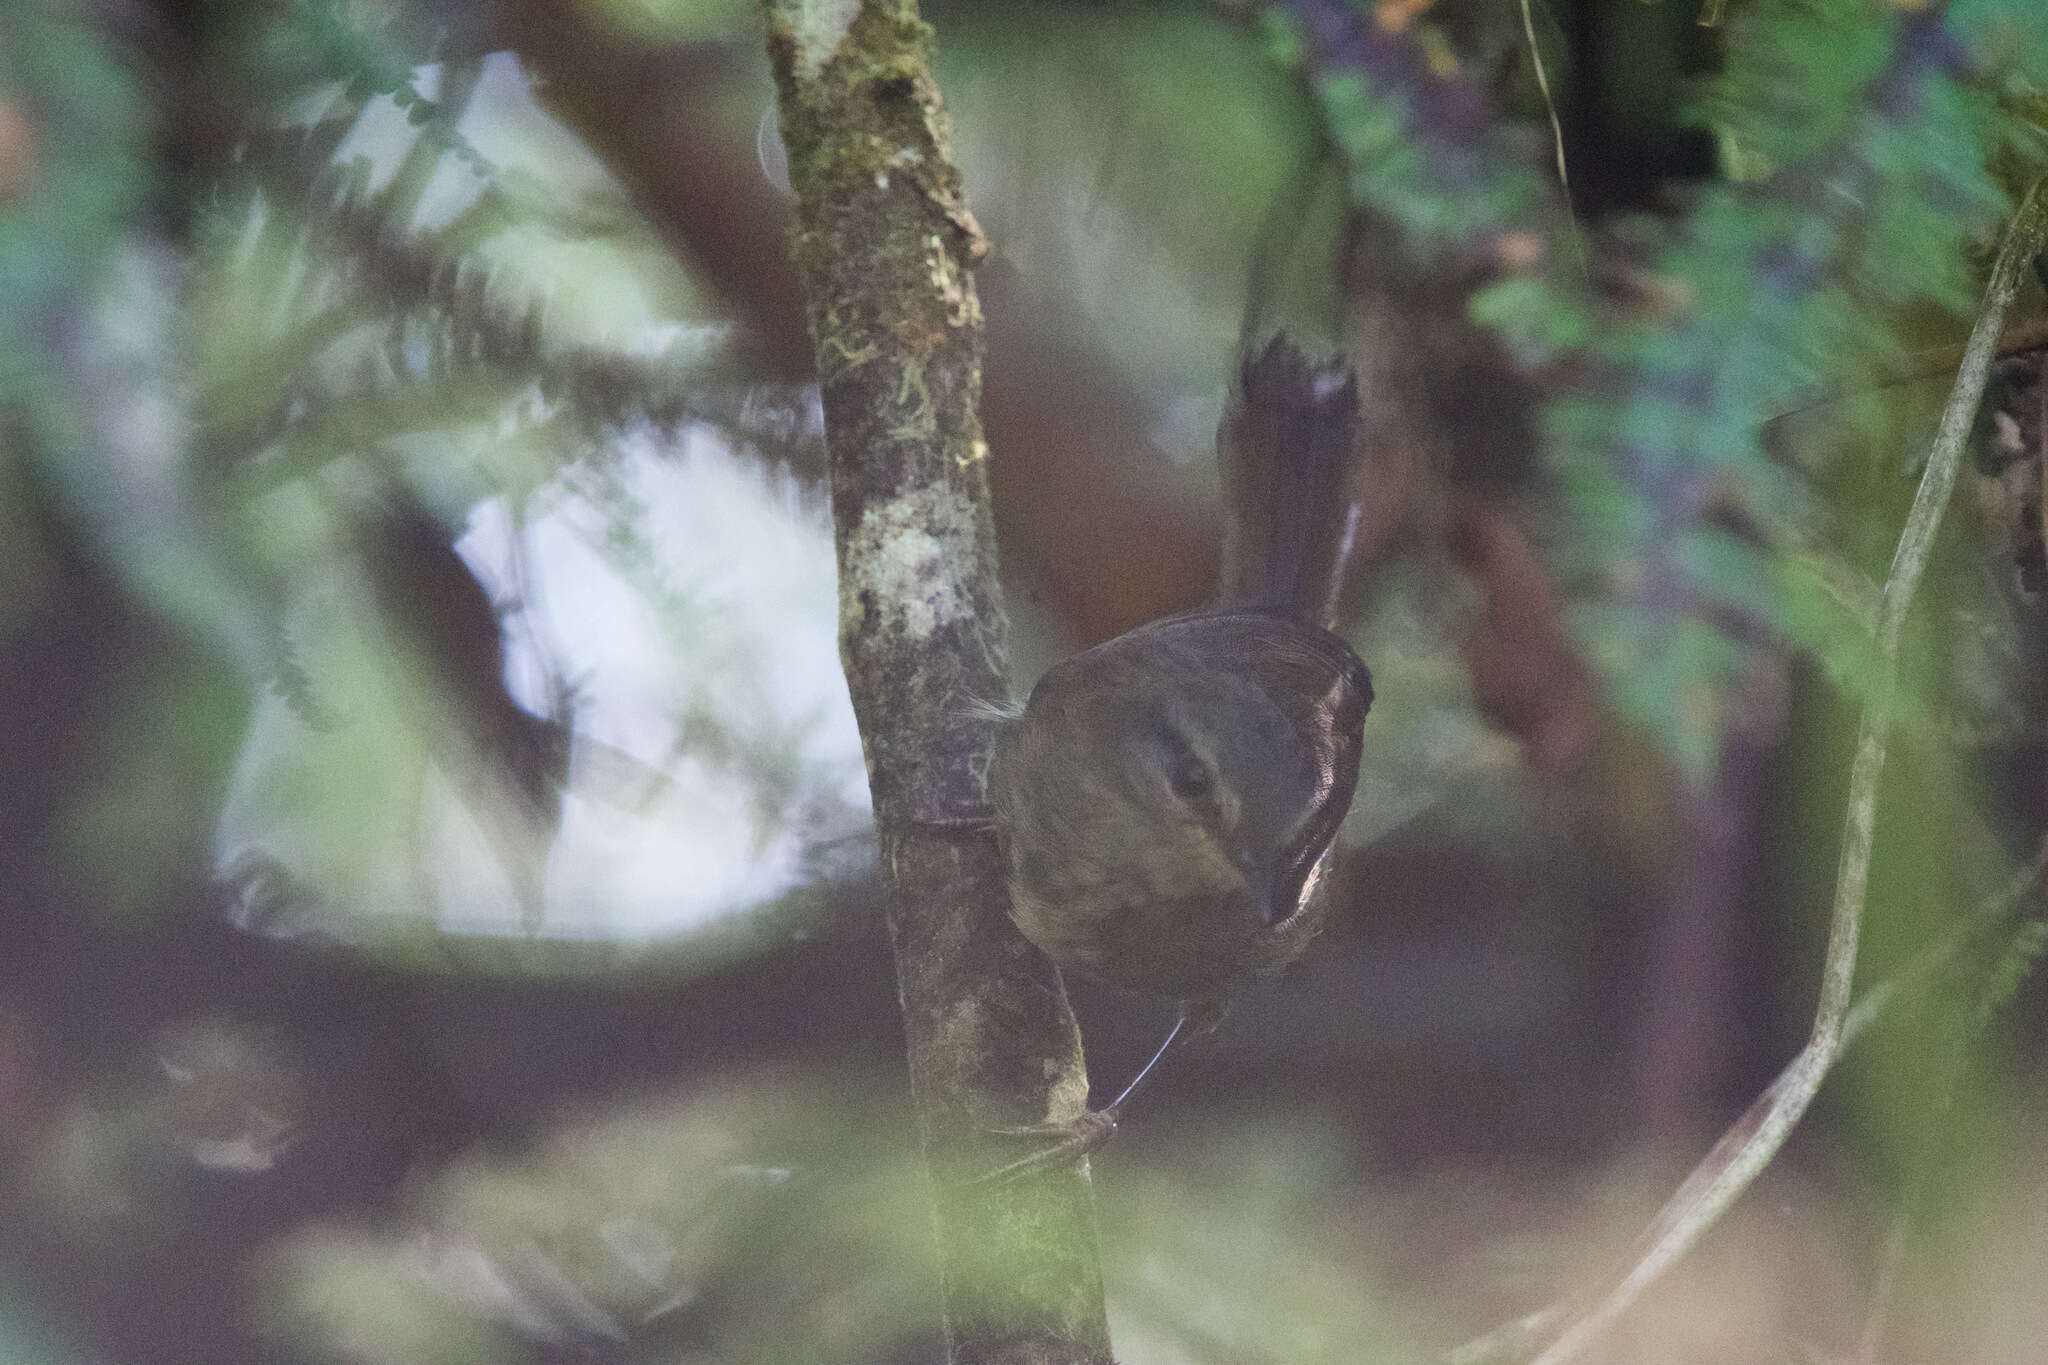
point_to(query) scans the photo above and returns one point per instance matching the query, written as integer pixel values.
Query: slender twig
(1564, 179)
(1750, 1144)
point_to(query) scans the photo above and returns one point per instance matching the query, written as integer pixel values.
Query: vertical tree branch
(884, 244)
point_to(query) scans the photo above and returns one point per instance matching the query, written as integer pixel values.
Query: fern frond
(1784, 279)
(1869, 137)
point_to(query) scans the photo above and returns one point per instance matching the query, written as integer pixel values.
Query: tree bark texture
(884, 245)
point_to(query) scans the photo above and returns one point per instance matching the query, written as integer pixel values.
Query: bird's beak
(1269, 893)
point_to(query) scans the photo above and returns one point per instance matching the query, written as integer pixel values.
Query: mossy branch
(884, 245)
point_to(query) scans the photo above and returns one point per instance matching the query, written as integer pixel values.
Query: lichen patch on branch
(908, 551)
(963, 307)
(816, 27)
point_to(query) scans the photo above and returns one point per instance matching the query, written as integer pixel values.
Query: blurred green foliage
(86, 160)
(779, 1217)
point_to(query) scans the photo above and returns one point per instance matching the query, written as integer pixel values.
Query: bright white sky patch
(714, 741)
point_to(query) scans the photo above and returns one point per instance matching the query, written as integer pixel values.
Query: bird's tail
(1290, 483)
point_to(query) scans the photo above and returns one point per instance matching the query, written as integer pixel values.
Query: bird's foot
(1053, 1144)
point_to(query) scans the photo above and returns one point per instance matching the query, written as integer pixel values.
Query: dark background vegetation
(437, 915)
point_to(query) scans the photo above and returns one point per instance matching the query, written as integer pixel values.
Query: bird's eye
(1170, 758)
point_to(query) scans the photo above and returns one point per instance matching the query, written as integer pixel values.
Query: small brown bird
(1165, 800)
